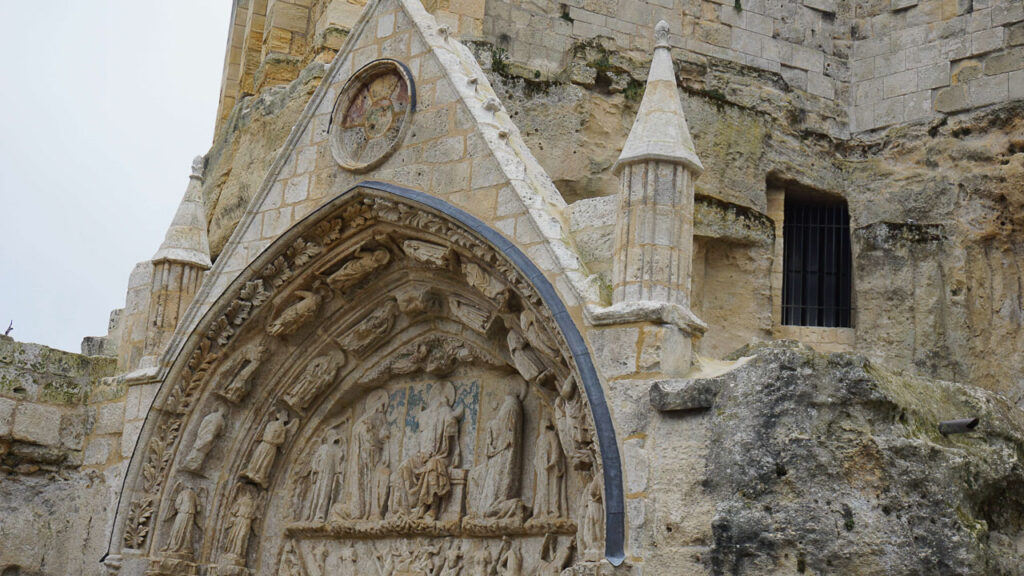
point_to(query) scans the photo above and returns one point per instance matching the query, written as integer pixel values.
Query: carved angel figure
(549, 463)
(535, 335)
(482, 562)
(591, 529)
(296, 315)
(262, 462)
(504, 448)
(358, 267)
(186, 512)
(368, 471)
(209, 428)
(426, 475)
(524, 358)
(315, 378)
(239, 374)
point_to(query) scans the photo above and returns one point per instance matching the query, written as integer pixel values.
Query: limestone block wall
(917, 59)
(61, 458)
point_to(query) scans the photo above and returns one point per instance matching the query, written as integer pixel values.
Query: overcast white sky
(103, 105)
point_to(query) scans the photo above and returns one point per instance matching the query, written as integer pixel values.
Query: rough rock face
(831, 465)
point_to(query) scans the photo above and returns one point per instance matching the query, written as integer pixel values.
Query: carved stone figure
(209, 429)
(368, 471)
(428, 253)
(452, 560)
(361, 265)
(552, 559)
(296, 315)
(503, 450)
(186, 511)
(570, 420)
(524, 359)
(239, 374)
(426, 475)
(482, 562)
(315, 378)
(510, 559)
(536, 335)
(325, 474)
(469, 314)
(549, 464)
(262, 462)
(371, 330)
(488, 285)
(591, 529)
(240, 526)
(291, 562)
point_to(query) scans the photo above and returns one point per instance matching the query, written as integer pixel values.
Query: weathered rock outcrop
(828, 464)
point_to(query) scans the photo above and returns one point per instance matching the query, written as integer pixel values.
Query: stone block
(1015, 35)
(870, 91)
(290, 17)
(918, 105)
(890, 111)
(110, 418)
(1007, 12)
(1008, 61)
(807, 59)
(934, 76)
(956, 48)
(887, 64)
(37, 424)
(615, 350)
(987, 40)
(903, 4)
(97, 452)
(988, 90)
(746, 42)
(965, 71)
(828, 6)
(820, 85)
(863, 69)
(6, 415)
(1017, 84)
(636, 465)
(759, 24)
(924, 55)
(795, 77)
(951, 99)
(900, 84)
(979, 20)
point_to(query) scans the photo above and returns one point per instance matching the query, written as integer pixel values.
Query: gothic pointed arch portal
(391, 388)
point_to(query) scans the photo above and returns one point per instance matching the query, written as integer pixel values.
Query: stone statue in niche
(549, 500)
(499, 495)
(186, 520)
(552, 559)
(426, 476)
(296, 315)
(240, 372)
(591, 529)
(274, 435)
(361, 265)
(314, 380)
(325, 475)
(510, 559)
(243, 512)
(209, 429)
(371, 330)
(367, 470)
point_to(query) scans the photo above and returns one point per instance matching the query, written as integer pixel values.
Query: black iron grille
(816, 284)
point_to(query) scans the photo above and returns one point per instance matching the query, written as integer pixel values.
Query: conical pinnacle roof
(660, 131)
(186, 240)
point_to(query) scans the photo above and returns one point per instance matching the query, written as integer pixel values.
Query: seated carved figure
(425, 477)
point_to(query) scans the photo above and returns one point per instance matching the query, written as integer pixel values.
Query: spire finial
(661, 30)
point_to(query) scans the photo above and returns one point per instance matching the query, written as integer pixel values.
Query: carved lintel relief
(391, 398)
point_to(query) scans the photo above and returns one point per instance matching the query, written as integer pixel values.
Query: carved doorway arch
(389, 369)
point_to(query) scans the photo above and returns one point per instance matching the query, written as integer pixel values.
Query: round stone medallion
(372, 114)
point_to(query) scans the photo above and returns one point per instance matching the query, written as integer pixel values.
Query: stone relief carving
(186, 519)
(295, 316)
(314, 380)
(428, 253)
(469, 313)
(369, 471)
(372, 330)
(261, 464)
(239, 373)
(412, 482)
(358, 267)
(591, 529)
(209, 429)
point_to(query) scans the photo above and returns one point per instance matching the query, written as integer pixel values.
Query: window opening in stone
(816, 284)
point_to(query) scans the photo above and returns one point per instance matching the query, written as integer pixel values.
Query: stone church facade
(508, 288)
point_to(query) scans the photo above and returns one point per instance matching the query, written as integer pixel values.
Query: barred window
(816, 284)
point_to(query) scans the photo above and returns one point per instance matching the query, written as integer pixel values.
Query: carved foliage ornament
(422, 481)
(372, 114)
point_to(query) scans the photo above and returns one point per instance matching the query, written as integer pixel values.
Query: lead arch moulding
(144, 507)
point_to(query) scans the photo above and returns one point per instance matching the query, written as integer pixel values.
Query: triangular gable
(461, 147)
